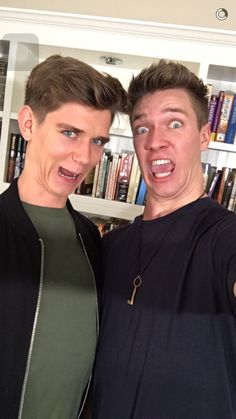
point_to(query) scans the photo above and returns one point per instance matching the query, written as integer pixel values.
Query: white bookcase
(34, 35)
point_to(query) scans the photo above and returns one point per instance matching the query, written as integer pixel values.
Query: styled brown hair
(170, 75)
(59, 80)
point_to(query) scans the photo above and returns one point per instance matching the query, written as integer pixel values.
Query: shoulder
(118, 237)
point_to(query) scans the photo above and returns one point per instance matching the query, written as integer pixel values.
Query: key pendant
(136, 283)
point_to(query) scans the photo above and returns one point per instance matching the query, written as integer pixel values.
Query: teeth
(161, 175)
(68, 176)
(160, 161)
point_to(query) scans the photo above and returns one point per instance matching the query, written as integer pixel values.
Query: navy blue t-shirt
(172, 355)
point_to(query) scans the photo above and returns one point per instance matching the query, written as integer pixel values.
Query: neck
(157, 207)
(32, 193)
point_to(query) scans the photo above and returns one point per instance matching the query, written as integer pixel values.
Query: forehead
(77, 113)
(163, 101)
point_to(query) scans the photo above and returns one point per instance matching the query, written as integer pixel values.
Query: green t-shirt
(66, 330)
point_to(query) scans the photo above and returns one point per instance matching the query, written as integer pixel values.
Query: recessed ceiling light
(108, 59)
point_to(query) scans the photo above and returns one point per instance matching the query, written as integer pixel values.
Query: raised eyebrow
(138, 116)
(175, 110)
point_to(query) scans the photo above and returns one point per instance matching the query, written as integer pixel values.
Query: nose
(155, 139)
(81, 152)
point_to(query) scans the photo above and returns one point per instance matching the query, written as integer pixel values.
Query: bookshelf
(30, 36)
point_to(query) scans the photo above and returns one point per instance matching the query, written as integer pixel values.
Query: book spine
(141, 193)
(12, 157)
(233, 193)
(95, 179)
(132, 179)
(215, 182)
(212, 110)
(224, 117)
(17, 170)
(217, 114)
(222, 185)
(230, 133)
(136, 185)
(228, 189)
(124, 175)
(100, 173)
(112, 177)
(105, 180)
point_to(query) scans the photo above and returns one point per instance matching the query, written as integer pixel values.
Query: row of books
(16, 157)
(116, 177)
(220, 185)
(222, 116)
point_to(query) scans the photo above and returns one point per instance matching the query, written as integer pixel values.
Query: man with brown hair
(167, 346)
(50, 254)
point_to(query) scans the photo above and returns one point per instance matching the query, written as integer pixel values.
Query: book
(134, 169)
(123, 176)
(217, 114)
(100, 175)
(95, 179)
(209, 92)
(136, 185)
(231, 129)
(229, 184)
(18, 163)
(232, 199)
(212, 110)
(86, 186)
(142, 190)
(224, 117)
(106, 176)
(222, 184)
(22, 164)
(12, 157)
(214, 186)
(111, 183)
(208, 174)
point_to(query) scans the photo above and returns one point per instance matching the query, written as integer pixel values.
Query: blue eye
(69, 133)
(141, 130)
(175, 124)
(100, 142)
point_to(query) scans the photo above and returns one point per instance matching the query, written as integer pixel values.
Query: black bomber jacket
(20, 269)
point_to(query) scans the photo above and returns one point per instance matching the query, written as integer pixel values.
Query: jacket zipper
(97, 318)
(33, 332)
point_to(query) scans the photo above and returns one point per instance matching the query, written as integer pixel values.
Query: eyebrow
(165, 110)
(69, 127)
(65, 126)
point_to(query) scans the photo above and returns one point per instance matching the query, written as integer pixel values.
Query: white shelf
(14, 116)
(216, 145)
(106, 208)
(97, 206)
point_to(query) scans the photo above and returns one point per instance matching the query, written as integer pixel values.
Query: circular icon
(221, 13)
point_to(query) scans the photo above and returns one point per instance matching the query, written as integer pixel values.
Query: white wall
(184, 12)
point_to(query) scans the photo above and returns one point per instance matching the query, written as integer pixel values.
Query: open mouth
(67, 174)
(162, 168)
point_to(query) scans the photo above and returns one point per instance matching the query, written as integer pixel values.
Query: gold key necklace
(137, 281)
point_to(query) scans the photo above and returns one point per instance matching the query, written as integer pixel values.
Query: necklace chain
(137, 281)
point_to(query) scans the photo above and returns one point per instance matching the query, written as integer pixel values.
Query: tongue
(66, 172)
(162, 168)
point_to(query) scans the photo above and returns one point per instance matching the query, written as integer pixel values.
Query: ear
(205, 135)
(25, 121)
